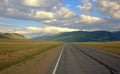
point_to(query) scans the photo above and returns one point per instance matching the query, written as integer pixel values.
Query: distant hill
(11, 36)
(82, 36)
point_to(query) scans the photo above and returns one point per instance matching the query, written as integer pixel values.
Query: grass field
(16, 51)
(112, 47)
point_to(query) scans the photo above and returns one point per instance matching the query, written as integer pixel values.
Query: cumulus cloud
(85, 1)
(50, 21)
(51, 29)
(86, 8)
(35, 10)
(110, 8)
(65, 13)
(75, 21)
(58, 18)
(46, 4)
(35, 3)
(33, 29)
(43, 14)
(89, 19)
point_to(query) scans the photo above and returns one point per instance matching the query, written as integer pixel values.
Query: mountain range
(11, 36)
(82, 36)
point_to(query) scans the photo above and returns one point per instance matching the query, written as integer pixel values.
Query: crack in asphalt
(112, 70)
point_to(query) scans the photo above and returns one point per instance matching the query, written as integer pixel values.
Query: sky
(39, 17)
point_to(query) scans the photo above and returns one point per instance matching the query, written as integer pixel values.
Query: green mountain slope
(83, 36)
(11, 36)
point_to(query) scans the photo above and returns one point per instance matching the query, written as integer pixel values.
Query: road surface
(76, 59)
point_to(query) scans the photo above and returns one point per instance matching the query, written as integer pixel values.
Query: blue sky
(21, 23)
(30, 17)
(71, 4)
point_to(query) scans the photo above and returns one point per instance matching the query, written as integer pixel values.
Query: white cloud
(52, 13)
(35, 10)
(77, 20)
(109, 8)
(22, 32)
(86, 8)
(65, 13)
(116, 14)
(50, 21)
(85, 1)
(51, 29)
(44, 14)
(32, 31)
(46, 4)
(58, 16)
(35, 3)
(42, 30)
(89, 19)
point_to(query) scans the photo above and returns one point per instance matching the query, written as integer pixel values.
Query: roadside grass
(112, 47)
(15, 51)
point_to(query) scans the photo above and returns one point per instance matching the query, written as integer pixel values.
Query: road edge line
(56, 66)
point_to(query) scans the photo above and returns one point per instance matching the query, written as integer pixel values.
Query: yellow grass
(16, 51)
(112, 47)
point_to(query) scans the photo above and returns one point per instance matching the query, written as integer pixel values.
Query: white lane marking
(56, 66)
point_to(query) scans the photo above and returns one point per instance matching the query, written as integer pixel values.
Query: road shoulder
(37, 65)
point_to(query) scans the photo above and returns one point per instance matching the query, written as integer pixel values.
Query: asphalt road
(76, 59)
